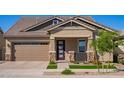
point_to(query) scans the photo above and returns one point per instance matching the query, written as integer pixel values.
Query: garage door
(31, 51)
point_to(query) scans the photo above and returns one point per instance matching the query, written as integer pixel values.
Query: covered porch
(71, 41)
(71, 49)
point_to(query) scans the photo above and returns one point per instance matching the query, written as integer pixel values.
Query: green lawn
(67, 72)
(88, 67)
(52, 66)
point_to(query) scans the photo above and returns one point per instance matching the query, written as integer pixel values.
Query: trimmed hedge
(52, 66)
(67, 72)
(89, 67)
(52, 62)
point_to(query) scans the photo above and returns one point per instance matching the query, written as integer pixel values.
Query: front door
(60, 49)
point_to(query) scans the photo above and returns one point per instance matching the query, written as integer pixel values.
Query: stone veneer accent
(52, 55)
(71, 56)
(7, 57)
(90, 56)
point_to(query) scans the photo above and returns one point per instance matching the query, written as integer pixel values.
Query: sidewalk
(81, 70)
(119, 67)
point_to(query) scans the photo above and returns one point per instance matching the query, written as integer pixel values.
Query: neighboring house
(43, 38)
(2, 46)
(120, 50)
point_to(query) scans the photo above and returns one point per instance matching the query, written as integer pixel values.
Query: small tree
(94, 44)
(105, 42)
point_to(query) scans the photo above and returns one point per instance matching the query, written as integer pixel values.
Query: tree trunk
(96, 59)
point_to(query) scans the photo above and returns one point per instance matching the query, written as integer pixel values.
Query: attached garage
(31, 51)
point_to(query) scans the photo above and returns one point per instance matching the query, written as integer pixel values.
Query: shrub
(75, 62)
(109, 61)
(52, 66)
(67, 72)
(121, 61)
(52, 62)
(82, 67)
(86, 72)
(111, 66)
(95, 62)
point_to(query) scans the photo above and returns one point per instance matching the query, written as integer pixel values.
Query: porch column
(90, 51)
(71, 56)
(52, 50)
(8, 53)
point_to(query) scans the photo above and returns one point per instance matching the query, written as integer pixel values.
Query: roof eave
(28, 36)
(97, 24)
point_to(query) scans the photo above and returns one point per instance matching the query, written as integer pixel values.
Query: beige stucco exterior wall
(8, 47)
(71, 35)
(89, 46)
(7, 50)
(71, 32)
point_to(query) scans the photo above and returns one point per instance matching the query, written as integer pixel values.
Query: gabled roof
(28, 22)
(67, 21)
(90, 24)
(96, 24)
(43, 21)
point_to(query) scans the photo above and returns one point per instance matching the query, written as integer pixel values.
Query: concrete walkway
(22, 69)
(62, 65)
(119, 67)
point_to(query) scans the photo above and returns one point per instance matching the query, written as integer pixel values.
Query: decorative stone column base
(52, 55)
(71, 56)
(90, 56)
(7, 57)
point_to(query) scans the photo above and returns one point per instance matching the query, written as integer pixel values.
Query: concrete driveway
(22, 69)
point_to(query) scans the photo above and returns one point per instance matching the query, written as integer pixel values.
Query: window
(82, 46)
(55, 22)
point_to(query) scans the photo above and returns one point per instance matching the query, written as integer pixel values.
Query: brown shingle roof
(23, 23)
(28, 21)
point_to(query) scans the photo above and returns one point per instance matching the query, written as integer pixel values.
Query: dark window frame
(82, 46)
(55, 21)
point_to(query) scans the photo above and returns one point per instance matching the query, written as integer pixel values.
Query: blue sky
(113, 21)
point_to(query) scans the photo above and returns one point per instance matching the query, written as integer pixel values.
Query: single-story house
(2, 46)
(44, 38)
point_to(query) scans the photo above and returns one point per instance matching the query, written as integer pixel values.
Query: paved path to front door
(62, 65)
